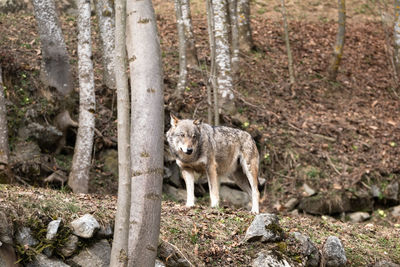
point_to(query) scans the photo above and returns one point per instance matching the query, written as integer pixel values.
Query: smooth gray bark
(182, 80)
(245, 35)
(233, 18)
(106, 20)
(55, 70)
(4, 145)
(147, 130)
(340, 37)
(191, 51)
(81, 162)
(119, 251)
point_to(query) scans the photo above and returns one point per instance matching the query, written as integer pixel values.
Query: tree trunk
(4, 145)
(289, 51)
(213, 72)
(81, 162)
(234, 38)
(181, 86)
(338, 48)
(223, 57)
(191, 51)
(106, 18)
(119, 252)
(396, 37)
(55, 70)
(147, 112)
(245, 35)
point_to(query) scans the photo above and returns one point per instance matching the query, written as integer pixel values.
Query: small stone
(396, 211)
(291, 204)
(357, 217)
(159, 263)
(384, 263)
(333, 254)
(97, 255)
(70, 246)
(308, 249)
(236, 197)
(308, 191)
(264, 228)
(6, 229)
(176, 193)
(375, 191)
(105, 231)
(52, 229)
(24, 237)
(85, 226)
(41, 261)
(269, 259)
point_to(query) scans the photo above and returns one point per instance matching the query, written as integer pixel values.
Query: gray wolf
(200, 148)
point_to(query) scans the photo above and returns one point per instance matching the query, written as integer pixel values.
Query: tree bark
(396, 37)
(119, 252)
(182, 80)
(191, 51)
(223, 57)
(146, 120)
(81, 162)
(340, 37)
(106, 17)
(245, 35)
(4, 144)
(55, 70)
(289, 51)
(234, 38)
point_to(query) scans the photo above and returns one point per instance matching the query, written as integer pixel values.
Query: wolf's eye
(194, 136)
(182, 134)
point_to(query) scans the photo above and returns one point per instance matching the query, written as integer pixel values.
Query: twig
(331, 139)
(331, 164)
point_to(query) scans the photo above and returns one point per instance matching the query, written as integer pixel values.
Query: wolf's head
(184, 137)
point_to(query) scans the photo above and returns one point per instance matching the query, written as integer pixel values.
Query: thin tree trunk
(289, 51)
(223, 57)
(396, 37)
(119, 252)
(213, 70)
(245, 35)
(191, 51)
(4, 145)
(81, 162)
(338, 48)
(181, 86)
(147, 120)
(106, 17)
(55, 70)
(234, 38)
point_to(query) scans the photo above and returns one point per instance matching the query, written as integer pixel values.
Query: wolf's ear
(198, 122)
(174, 120)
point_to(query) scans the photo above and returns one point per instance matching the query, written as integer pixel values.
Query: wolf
(214, 151)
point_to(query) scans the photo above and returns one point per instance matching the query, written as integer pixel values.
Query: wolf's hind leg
(249, 163)
(189, 181)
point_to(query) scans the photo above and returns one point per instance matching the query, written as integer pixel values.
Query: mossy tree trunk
(244, 26)
(82, 159)
(182, 80)
(191, 51)
(119, 252)
(147, 120)
(340, 38)
(4, 145)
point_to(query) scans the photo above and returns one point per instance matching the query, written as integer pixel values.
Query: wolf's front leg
(189, 181)
(213, 184)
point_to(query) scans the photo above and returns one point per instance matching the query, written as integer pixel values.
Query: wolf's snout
(189, 151)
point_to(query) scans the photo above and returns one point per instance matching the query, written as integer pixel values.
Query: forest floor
(342, 135)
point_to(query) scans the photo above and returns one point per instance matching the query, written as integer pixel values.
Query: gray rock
(291, 204)
(97, 255)
(391, 192)
(384, 263)
(308, 190)
(52, 229)
(105, 231)
(42, 261)
(376, 191)
(171, 172)
(70, 246)
(236, 197)
(85, 226)
(7, 256)
(46, 135)
(265, 228)
(171, 255)
(308, 249)
(359, 216)
(325, 204)
(269, 259)
(24, 237)
(333, 254)
(159, 263)
(11, 6)
(396, 211)
(176, 193)
(6, 229)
